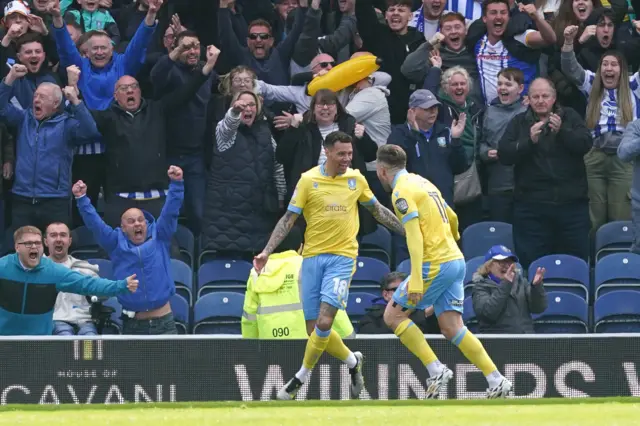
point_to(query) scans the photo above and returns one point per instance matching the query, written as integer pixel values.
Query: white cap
(16, 6)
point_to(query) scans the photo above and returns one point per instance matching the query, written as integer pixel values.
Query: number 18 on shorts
(325, 278)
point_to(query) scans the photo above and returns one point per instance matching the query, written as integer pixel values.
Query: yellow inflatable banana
(345, 74)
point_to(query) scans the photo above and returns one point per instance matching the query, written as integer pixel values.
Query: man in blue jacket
(141, 246)
(44, 150)
(100, 71)
(29, 286)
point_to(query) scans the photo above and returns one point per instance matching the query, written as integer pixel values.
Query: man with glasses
(373, 321)
(271, 64)
(29, 286)
(101, 68)
(135, 131)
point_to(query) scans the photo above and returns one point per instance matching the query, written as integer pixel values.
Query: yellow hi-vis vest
(272, 305)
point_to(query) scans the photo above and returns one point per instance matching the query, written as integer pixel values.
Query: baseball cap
(422, 98)
(500, 253)
(15, 6)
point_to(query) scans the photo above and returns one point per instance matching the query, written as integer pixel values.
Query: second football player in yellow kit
(437, 274)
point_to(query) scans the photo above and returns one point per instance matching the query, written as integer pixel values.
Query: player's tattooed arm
(281, 230)
(385, 217)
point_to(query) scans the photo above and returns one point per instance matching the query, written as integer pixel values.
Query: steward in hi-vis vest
(272, 305)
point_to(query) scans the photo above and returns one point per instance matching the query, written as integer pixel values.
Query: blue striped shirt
(609, 114)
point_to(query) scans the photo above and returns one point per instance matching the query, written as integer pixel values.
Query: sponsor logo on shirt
(402, 205)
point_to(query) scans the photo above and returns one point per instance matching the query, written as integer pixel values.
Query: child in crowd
(507, 105)
(92, 16)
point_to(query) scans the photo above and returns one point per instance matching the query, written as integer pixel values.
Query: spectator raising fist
(570, 34)
(79, 189)
(16, 72)
(175, 173)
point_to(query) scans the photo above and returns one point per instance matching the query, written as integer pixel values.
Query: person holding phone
(546, 145)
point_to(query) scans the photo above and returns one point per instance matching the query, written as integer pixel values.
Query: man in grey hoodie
(72, 312)
(507, 105)
(629, 151)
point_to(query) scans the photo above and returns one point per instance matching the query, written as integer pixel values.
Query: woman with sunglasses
(503, 299)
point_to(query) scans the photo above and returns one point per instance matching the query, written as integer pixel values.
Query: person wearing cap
(272, 306)
(503, 299)
(15, 20)
(434, 150)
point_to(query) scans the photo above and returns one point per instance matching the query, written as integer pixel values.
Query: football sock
(337, 348)
(316, 345)
(412, 337)
(473, 350)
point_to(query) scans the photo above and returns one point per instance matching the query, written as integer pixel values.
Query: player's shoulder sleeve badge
(352, 183)
(402, 205)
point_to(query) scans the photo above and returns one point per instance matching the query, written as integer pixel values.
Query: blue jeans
(61, 328)
(194, 174)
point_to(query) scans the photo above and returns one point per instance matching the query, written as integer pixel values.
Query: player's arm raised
(385, 216)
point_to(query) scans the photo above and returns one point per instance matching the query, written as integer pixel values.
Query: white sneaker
(501, 391)
(357, 379)
(289, 390)
(435, 383)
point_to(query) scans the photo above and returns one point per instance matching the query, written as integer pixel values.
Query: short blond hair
(20, 232)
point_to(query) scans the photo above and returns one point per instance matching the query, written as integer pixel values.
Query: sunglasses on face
(391, 289)
(261, 36)
(326, 64)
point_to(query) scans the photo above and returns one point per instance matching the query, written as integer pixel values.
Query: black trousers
(91, 169)
(541, 229)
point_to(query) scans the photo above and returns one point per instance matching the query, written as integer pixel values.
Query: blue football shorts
(325, 278)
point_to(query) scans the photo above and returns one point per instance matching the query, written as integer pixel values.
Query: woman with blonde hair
(612, 104)
(503, 299)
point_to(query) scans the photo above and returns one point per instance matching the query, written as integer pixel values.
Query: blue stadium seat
(187, 244)
(116, 322)
(84, 245)
(478, 238)
(180, 308)
(223, 274)
(377, 245)
(613, 237)
(182, 275)
(369, 273)
(563, 273)
(617, 312)
(357, 306)
(617, 271)
(404, 266)
(218, 313)
(472, 267)
(105, 267)
(566, 313)
(469, 315)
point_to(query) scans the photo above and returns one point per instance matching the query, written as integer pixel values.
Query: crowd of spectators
(515, 110)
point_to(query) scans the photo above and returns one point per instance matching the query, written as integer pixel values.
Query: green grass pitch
(582, 412)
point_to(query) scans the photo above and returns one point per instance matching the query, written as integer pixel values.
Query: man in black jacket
(546, 145)
(134, 130)
(373, 321)
(186, 128)
(391, 42)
